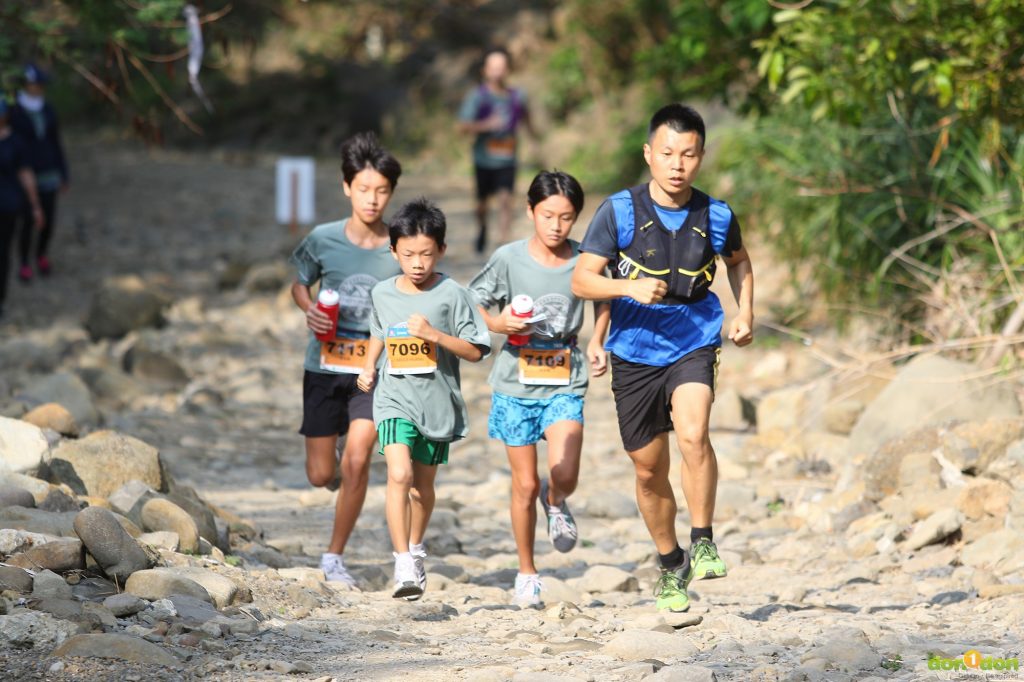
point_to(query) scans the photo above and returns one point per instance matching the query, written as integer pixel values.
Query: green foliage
(893, 663)
(891, 157)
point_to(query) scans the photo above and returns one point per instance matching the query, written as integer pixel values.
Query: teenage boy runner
(350, 256)
(661, 240)
(539, 387)
(425, 324)
(492, 112)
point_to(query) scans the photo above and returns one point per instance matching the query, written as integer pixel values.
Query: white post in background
(296, 177)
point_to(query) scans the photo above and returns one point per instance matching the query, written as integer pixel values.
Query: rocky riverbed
(155, 520)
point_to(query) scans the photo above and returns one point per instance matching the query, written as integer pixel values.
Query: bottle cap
(328, 297)
(522, 305)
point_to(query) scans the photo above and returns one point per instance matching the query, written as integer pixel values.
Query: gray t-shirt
(512, 271)
(327, 255)
(433, 400)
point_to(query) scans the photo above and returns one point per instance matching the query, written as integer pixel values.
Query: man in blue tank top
(661, 241)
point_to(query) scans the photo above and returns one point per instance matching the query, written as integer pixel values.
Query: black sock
(698, 533)
(673, 559)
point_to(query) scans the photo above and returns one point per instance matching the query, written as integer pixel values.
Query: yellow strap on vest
(637, 268)
(703, 270)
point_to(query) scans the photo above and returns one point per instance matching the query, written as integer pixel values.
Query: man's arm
(590, 283)
(741, 279)
(316, 319)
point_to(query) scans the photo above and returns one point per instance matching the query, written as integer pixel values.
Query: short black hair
(419, 216)
(549, 183)
(678, 117)
(362, 151)
(497, 49)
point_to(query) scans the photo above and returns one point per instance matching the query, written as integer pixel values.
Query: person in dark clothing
(34, 121)
(17, 190)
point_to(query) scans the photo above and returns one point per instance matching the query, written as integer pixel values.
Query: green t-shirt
(512, 271)
(328, 256)
(432, 401)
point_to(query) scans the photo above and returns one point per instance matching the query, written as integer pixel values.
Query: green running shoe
(704, 560)
(671, 590)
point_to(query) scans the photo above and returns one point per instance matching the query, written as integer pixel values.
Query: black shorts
(643, 393)
(330, 402)
(491, 180)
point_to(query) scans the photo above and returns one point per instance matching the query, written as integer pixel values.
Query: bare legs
(565, 441)
(321, 461)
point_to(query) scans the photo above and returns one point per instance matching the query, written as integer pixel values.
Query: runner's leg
(421, 500)
(505, 220)
(321, 459)
(523, 508)
(355, 474)
(396, 497)
(691, 412)
(654, 494)
(565, 442)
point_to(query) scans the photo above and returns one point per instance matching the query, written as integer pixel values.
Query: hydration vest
(684, 259)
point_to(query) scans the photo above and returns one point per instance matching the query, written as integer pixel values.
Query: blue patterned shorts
(523, 421)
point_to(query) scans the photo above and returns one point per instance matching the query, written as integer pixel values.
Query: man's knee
(693, 440)
(400, 476)
(564, 479)
(319, 476)
(526, 489)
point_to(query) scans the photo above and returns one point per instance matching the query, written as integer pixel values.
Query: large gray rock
(22, 446)
(103, 461)
(728, 412)
(124, 304)
(637, 645)
(111, 385)
(49, 585)
(33, 630)
(160, 514)
(119, 647)
(124, 604)
(14, 541)
(14, 578)
(38, 487)
(152, 364)
(57, 500)
(64, 554)
(849, 653)
(161, 583)
(129, 498)
(64, 388)
(117, 552)
(13, 496)
(930, 390)
(56, 524)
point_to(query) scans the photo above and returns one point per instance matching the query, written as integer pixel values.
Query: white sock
(401, 555)
(328, 555)
(417, 548)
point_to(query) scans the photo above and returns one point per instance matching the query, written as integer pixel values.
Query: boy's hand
(741, 330)
(366, 379)
(513, 324)
(647, 290)
(317, 320)
(420, 327)
(598, 357)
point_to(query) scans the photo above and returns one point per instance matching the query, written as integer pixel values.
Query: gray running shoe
(561, 525)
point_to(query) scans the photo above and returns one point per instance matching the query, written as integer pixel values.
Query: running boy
(539, 387)
(350, 256)
(426, 323)
(662, 239)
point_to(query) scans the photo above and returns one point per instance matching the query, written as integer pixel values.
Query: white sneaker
(406, 581)
(527, 590)
(334, 569)
(419, 555)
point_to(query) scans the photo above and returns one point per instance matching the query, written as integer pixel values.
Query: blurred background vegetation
(876, 146)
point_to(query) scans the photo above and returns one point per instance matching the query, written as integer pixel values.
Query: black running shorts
(330, 402)
(490, 181)
(643, 393)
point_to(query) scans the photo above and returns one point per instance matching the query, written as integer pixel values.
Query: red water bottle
(329, 302)
(522, 307)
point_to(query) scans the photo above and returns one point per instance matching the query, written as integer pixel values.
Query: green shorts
(403, 431)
